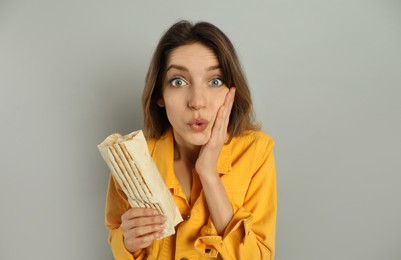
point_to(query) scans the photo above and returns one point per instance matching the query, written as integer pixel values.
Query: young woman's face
(193, 91)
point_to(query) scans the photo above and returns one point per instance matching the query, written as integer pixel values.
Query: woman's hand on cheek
(209, 153)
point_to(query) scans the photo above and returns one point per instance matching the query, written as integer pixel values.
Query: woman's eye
(216, 82)
(178, 82)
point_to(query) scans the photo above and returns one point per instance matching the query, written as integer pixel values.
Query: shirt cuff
(119, 250)
(239, 228)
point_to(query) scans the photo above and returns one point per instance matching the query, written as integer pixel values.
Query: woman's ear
(160, 102)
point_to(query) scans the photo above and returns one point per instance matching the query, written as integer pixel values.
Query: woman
(218, 166)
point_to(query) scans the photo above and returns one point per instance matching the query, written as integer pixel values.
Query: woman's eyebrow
(215, 67)
(178, 67)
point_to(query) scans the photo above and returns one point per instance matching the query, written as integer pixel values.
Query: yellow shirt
(247, 170)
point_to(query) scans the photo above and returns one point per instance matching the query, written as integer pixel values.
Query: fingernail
(161, 234)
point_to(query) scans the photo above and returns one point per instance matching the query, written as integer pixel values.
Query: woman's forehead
(192, 53)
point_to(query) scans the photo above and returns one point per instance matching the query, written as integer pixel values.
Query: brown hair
(183, 33)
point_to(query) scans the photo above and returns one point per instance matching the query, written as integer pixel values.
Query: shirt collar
(163, 155)
(224, 162)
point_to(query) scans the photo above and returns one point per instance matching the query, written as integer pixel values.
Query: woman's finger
(144, 230)
(138, 212)
(143, 241)
(142, 221)
(223, 115)
(230, 103)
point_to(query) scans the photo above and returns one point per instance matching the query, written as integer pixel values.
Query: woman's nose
(197, 98)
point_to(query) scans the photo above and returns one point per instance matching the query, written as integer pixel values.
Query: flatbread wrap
(133, 168)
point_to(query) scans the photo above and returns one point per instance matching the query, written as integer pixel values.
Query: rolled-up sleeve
(116, 206)
(251, 232)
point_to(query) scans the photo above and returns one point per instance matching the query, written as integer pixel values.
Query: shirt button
(207, 250)
(187, 216)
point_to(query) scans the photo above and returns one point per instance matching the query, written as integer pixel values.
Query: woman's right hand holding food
(140, 227)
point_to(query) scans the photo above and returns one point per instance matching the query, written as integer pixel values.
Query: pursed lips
(198, 124)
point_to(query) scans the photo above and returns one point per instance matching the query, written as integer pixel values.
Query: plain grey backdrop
(326, 83)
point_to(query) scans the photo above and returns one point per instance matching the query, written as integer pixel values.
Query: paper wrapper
(135, 171)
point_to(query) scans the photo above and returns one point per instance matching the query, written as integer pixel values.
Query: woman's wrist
(208, 176)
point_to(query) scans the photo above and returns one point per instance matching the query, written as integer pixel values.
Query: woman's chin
(199, 139)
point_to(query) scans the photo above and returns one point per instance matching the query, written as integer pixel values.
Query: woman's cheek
(216, 109)
(220, 101)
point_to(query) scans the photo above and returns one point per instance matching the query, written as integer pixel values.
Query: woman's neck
(186, 153)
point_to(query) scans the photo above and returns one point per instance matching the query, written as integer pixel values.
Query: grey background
(326, 82)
